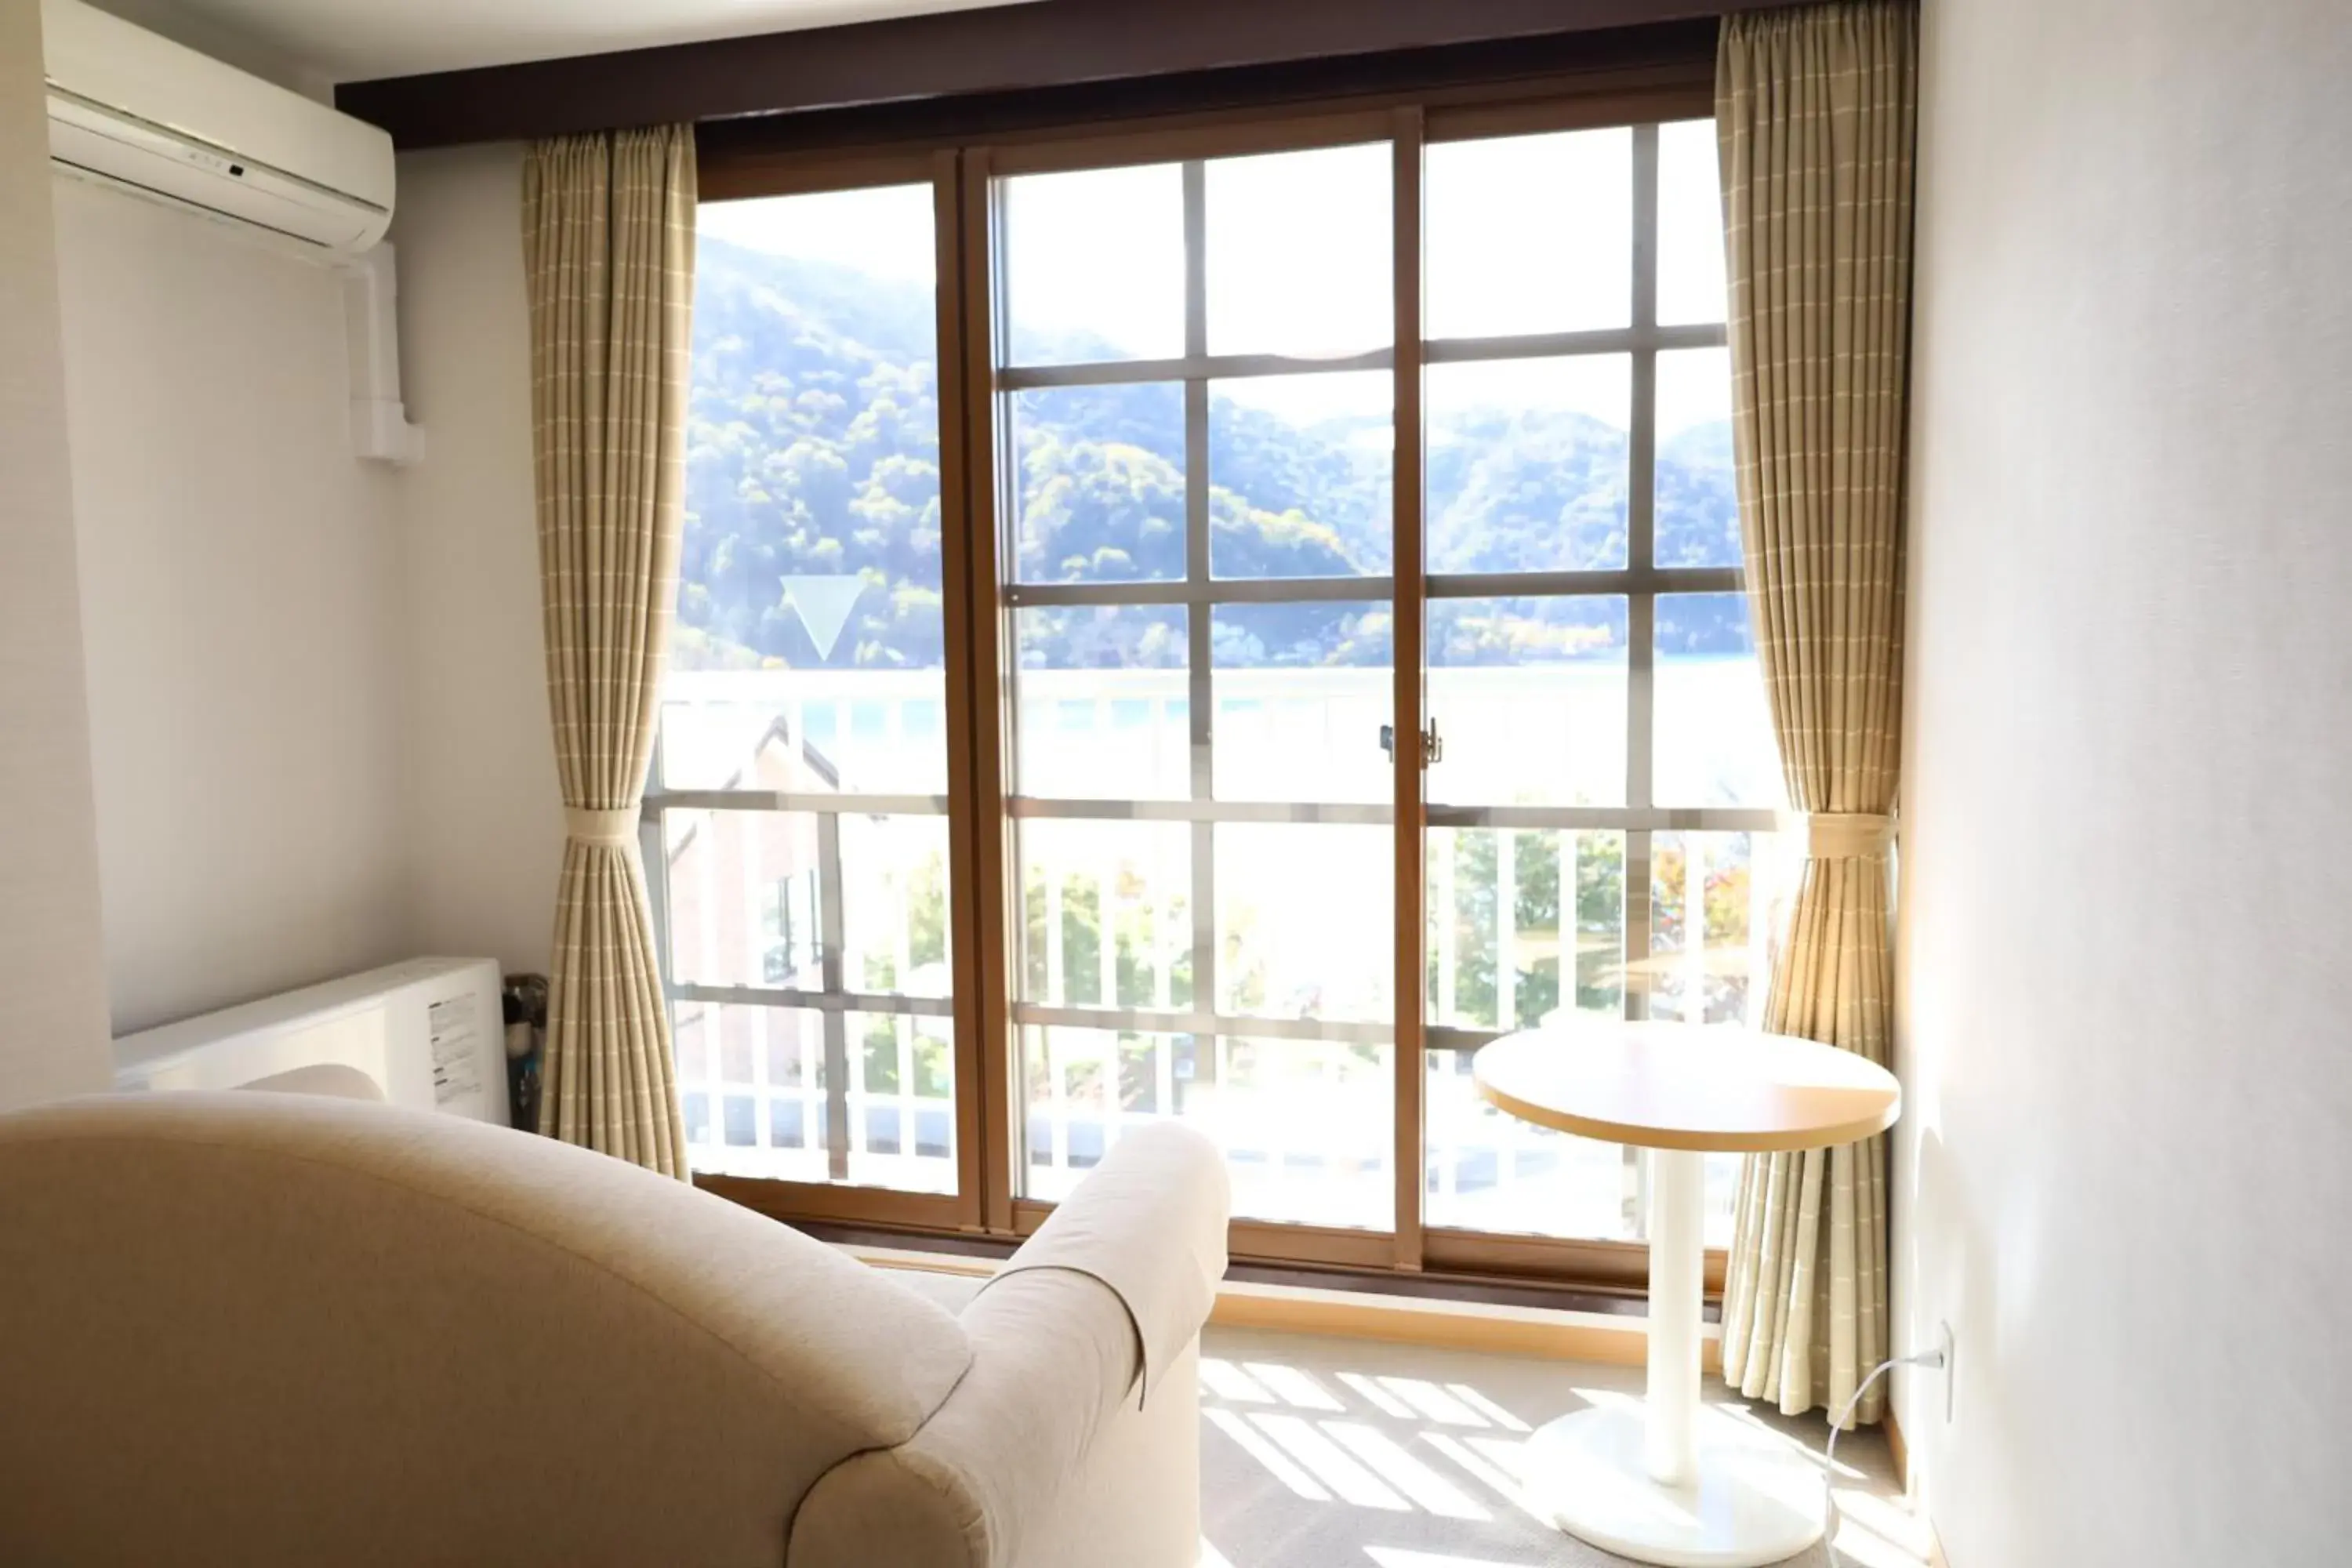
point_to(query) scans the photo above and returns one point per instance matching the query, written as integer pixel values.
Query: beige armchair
(280, 1328)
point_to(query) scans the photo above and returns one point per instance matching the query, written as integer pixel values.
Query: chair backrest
(268, 1328)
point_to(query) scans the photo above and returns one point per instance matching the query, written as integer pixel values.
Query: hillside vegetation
(814, 448)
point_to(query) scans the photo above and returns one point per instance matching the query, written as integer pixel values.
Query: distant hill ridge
(812, 447)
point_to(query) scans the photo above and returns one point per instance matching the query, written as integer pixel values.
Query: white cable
(1829, 1481)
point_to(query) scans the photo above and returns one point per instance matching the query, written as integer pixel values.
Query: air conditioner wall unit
(429, 1034)
(132, 109)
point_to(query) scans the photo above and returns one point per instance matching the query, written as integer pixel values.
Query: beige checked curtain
(1814, 116)
(608, 246)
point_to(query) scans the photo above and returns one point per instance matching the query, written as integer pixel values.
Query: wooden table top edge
(1883, 1114)
(1696, 1141)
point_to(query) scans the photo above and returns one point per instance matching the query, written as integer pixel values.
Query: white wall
(225, 43)
(240, 605)
(485, 827)
(2126, 1007)
(52, 988)
(319, 725)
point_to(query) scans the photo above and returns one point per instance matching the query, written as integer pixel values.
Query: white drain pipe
(380, 426)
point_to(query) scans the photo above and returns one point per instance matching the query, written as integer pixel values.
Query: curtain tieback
(1844, 834)
(585, 824)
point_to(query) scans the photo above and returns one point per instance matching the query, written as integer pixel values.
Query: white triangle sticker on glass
(824, 604)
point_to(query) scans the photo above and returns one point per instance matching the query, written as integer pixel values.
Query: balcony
(801, 907)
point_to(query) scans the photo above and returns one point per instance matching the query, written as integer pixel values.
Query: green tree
(1595, 939)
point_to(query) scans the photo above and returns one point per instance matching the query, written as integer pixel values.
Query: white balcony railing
(1306, 1119)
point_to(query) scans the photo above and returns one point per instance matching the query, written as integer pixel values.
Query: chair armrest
(1149, 1224)
(1113, 1287)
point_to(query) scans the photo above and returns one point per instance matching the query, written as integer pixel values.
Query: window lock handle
(1433, 744)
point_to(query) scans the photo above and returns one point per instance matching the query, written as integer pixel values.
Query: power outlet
(1944, 1343)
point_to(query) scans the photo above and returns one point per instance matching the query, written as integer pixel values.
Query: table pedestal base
(1751, 1501)
(1675, 1482)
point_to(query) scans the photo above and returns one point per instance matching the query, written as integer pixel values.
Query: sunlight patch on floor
(1433, 1402)
(1275, 1461)
(1501, 1483)
(1387, 1403)
(1407, 1475)
(1329, 1462)
(1230, 1383)
(1609, 1399)
(1873, 1533)
(1397, 1557)
(1487, 1407)
(1292, 1386)
(1391, 1457)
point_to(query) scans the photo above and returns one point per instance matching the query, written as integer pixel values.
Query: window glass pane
(809, 636)
(1712, 967)
(1690, 226)
(805, 731)
(1102, 708)
(1083, 1087)
(1498, 955)
(1485, 1170)
(808, 657)
(1304, 915)
(1527, 464)
(1303, 1124)
(1713, 729)
(744, 903)
(1106, 914)
(1305, 1129)
(1094, 265)
(1299, 252)
(1530, 233)
(1696, 506)
(745, 900)
(894, 905)
(902, 1101)
(1722, 1199)
(1711, 906)
(1302, 691)
(1299, 471)
(752, 1084)
(1529, 698)
(758, 1096)
(1101, 498)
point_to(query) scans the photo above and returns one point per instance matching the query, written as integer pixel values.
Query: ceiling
(353, 40)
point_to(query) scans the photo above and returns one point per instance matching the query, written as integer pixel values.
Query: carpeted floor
(1332, 1453)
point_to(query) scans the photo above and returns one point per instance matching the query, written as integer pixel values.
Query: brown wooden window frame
(984, 922)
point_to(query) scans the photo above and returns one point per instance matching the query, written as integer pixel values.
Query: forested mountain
(812, 448)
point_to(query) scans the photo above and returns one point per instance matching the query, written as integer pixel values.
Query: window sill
(1454, 1312)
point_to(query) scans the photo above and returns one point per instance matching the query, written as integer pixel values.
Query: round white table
(1678, 1484)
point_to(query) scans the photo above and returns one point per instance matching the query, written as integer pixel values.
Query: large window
(1037, 760)
(1598, 815)
(1196, 399)
(803, 773)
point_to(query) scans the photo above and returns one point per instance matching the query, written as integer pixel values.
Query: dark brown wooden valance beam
(1669, 54)
(1176, 53)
